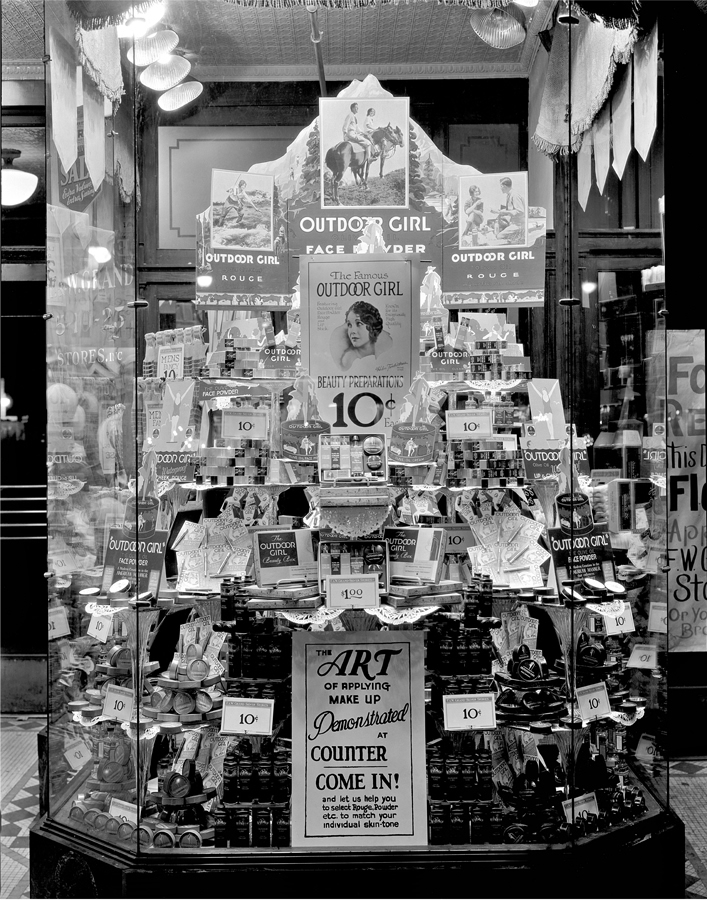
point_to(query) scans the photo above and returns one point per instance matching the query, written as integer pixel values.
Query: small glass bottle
(188, 353)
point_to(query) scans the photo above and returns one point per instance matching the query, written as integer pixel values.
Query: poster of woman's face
(364, 152)
(241, 211)
(493, 210)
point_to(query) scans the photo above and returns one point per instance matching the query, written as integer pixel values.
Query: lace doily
(613, 609)
(140, 732)
(625, 718)
(391, 616)
(93, 608)
(319, 616)
(89, 723)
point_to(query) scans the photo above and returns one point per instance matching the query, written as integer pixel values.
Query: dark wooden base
(643, 859)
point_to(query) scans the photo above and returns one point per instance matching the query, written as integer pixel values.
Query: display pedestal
(642, 859)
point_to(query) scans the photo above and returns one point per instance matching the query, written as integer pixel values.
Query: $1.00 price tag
(77, 754)
(469, 424)
(247, 716)
(99, 627)
(469, 712)
(658, 618)
(643, 656)
(58, 623)
(249, 423)
(622, 624)
(352, 591)
(593, 701)
(118, 703)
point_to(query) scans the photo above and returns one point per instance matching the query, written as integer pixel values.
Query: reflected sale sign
(358, 739)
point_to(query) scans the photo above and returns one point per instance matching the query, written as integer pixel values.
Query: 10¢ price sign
(77, 754)
(100, 627)
(352, 591)
(58, 623)
(118, 703)
(469, 424)
(246, 423)
(247, 716)
(622, 624)
(469, 712)
(593, 701)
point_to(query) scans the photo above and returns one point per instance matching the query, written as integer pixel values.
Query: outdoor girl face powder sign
(358, 736)
(360, 328)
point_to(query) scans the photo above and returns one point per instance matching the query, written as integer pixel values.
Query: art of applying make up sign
(358, 739)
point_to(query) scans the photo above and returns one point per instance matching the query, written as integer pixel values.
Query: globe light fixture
(165, 73)
(179, 96)
(17, 185)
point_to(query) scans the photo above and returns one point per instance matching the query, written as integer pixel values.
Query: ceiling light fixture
(565, 15)
(499, 28)
(17, 185)
(138, 26)
(166, 73)
(180, 95)
(152, 47)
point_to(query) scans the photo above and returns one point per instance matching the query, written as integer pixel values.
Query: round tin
(163, 838)
(197, 669)
(190, 838)
(125, 831)
(122, 586)
(614, 587)
(161, 699)
(183, 703)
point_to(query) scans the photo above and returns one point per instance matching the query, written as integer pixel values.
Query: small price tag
(469, 712)
(247, 716)
(352, 591)
(121, 809)
(645, 749)
(58, 623)
(170, 362)
(658, 618)
(593, 701)
(643, 656)
(77, 754)
(585, 803)
(468, 424)
(99, 627)
(118, 703)
(622, 624)
(245, 423)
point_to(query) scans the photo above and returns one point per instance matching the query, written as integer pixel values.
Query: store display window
(359, 449)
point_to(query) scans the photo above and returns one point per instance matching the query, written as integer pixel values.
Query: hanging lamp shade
(16, 185)
(180, 95)
(152, 47)
(166, 73)
(499, 28)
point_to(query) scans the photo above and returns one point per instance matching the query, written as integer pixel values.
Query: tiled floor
(19, 805)
(19, 800)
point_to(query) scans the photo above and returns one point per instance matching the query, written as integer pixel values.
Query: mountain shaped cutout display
(415, 194)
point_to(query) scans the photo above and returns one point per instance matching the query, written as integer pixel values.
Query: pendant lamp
(153, 47)
(499, 28)
(17, 185)
(166, 73)
(566, 15)
(180, 95)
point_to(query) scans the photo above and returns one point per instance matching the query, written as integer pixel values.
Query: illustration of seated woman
(474, 210)
(362, 335)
